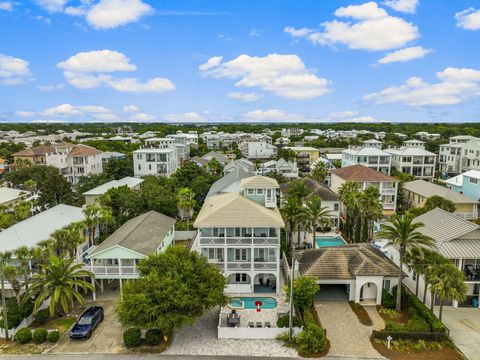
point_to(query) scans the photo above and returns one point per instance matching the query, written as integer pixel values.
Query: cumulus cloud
(371, 28)
(24, 114)
(404, 55)
(131, 109)
(272, 115)
(455, 86)
(13, 71)
(108, 14)
(71, 110)
(468, 19)
(188, 116)
(405, 6)
(6, 5)
(50, 88)
(52, 5)
(142, 117)
(283, 75)
(91, 69)
(245, 97)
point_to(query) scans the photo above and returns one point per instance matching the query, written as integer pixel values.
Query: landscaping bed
(361, 313)
(409, 350)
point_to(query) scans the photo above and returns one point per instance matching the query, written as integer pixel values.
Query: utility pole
(292, 275)
(4, 305)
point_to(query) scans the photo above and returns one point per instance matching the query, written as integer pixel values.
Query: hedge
(418, 309)
(53, 336)
(15, 313)
(418, 324)
(388, 300)
(132, 337)
(312, 339)
(40, 336)
(153, 337)
(42, 316)
(284, 321)
(23, 336)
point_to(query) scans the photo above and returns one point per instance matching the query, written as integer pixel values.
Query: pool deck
(329, 235)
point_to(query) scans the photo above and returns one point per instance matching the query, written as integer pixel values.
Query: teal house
(467, 183)
(117, 257)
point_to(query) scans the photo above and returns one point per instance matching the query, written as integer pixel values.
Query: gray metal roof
(142, 234)
(461, 249)
(227, 180)
(428, 189)
(102, 189)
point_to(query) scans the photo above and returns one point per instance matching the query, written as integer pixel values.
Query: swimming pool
(249, 303)
(324, 241)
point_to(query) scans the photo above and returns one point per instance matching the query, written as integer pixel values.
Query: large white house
(286, 168)
(371, 157)
(415, 161)
(461, 154)
(240, 233)
(257, 150)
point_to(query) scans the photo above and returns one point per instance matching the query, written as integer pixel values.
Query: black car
(87, 322)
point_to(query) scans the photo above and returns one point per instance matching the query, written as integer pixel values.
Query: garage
(333, 292)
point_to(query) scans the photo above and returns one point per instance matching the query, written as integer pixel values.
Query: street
(148, 356)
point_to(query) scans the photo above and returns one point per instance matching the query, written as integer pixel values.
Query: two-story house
(286, 168)
(305, 156)
(467, 183)
(240, 233)
(257, 150)
(367, 177)
(371, 157)
(415, 161)
(461, 154)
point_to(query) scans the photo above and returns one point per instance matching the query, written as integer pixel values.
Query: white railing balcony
(114, 270)
(471, 215)
(239, 265)
(265, 265)
(388, 205)
(388, 191)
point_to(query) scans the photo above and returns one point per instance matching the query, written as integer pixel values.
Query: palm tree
(24, 255)
(402, 233)
(371, 208)
(186, 203)
(31, 185)
(319, 172)
(298, 189)
(292, 212)
(448, 283)
(95, 216)
(348, 193)
(316, 214)
(22, 210)
(416, 260)
(58, 282)
(68, 239)
(11, 273)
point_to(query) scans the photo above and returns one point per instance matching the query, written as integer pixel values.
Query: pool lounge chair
(267, 324)
(259, 324)
(250, 324)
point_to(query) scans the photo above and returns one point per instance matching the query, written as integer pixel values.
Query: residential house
(220, 157)
(10, 197)
(428, 136)
(244, 164)
(286, 168)
(461, 154)
(92, 196)
(417, 192)
(229, 183)
(117, 257)
(257, 150)
(366, 177)
(305, 156)
(36, 155)
(354, 272)
(371, 157)
(240, 233)
(373, 143)
(415, 161)
(467, 183)
(112, 155)
(328, 167)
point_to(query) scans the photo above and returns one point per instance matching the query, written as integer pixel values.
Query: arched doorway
(265, 283)
(368, 292)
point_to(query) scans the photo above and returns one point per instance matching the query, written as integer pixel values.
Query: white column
(379, 292)
(121, 289)
(94, 295)
(119, 266)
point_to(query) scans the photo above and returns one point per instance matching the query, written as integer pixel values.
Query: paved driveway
(348, 337)
(107, 337)
(464, 325)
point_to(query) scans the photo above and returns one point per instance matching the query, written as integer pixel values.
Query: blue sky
(252, 61)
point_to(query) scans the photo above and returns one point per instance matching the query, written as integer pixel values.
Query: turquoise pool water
(323, 241)
(249, 303)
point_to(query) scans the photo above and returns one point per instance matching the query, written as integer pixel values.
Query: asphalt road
(148, 357)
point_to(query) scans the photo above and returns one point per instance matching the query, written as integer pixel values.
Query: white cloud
(25, 114)
(6, 5)
(142, 117)
(50, 88)
(245, 97)
(405, 6)
(108, 14)
(283, 75)
(106, 116)
(272, 115)
(13, 71)
(404, 55)
(343, 114)
(254, 33)
(360, 119)
(372, 29)
(455, 86)
(188, 116)
(468, 19)
(87, 70)
(131, 109)
(52, 5)
(71, 110)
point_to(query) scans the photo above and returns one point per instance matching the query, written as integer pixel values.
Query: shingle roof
(142, 234)
(428, 189)
(316, 188)
(259, 181)
(345, 262)
(102, 189)
(362, 173)
(234, 210)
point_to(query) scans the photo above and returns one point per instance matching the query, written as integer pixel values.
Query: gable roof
(102, 189)
(259, 181)
(362, 173)
(83, 150)
(142, 234)
(9, 194)
(428, 189)
(345, 262)
(234, 210)
(39, 227)
(230, 178)
(320, 190)
(36, 151)
(458, 180)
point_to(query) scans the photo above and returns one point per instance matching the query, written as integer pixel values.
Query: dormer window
(259, 191)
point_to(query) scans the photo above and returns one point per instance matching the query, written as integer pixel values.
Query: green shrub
(132, 337)
(311, 340)
(388, 301)
(417, 324)
(53, 336)
(418, 309)
(391, 313)
(394, 326)
(153, 337)
(283, 321)
(42, 316)
(23, 336)
(16, 313)
(40, 336)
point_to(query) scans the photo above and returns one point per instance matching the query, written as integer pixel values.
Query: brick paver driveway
(348, 337)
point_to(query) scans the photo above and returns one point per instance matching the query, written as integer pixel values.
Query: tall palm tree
(403, 234)
(348, 194)
(298, 189)
(371, 209)
(58, 282)
(24, 255)
(448, 283)
(316, 214)
(31, 185)
(319, 172)
(11, 273)
(186, 203)
(22, 210)
(292, 212)
(416, 260)
(95, 217)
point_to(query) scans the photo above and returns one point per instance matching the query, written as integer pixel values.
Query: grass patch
(393, 315)
(413, 350)
(361, 313)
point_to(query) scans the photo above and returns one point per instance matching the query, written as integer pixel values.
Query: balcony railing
(388, 205)
(388, 190)
(239, 241)
(471, 215)
(129, 271)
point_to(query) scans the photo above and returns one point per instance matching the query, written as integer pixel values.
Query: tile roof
(83, 150)
(36, 151)
(142, 234)
(234, 210)
(428, 189)
(362, 173)
(345, 262)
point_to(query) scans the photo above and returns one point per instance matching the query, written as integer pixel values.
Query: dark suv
(87, 322)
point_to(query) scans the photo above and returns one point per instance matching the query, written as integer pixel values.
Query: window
(335, 207)
(386, 285)
(259, 191)
(241, 278)
(473, 180)
(240, 254)
(139, 167)
(251, 191)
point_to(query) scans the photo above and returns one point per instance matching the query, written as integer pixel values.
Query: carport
(333, 292)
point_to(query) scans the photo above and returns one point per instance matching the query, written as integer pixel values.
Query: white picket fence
(25, 323)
